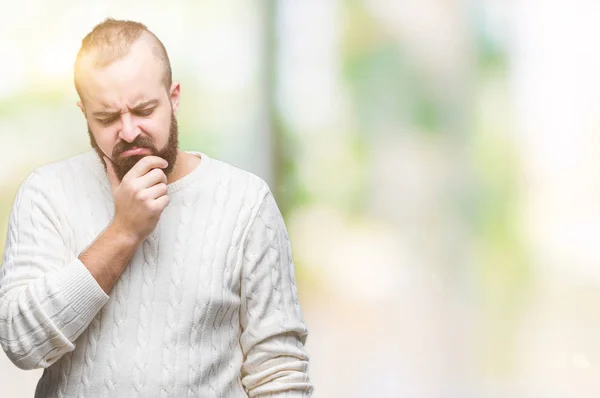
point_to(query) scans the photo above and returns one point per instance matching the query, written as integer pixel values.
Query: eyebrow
(138, 107)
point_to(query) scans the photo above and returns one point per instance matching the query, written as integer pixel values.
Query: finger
(160, 203)
(145, 164)
(156, 191)
(153, 177)
(112, 175)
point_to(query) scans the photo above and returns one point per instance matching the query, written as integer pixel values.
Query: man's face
(122, 164)
(127, 106)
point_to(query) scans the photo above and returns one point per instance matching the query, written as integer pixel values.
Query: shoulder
(250, 187)
(49, 179)
(68, 168)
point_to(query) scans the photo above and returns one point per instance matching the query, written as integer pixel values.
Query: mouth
(135, 151)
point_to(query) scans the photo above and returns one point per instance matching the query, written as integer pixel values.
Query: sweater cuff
(287, 394)
(82, 292)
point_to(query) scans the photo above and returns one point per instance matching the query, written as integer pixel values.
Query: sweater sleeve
(273, 331)
(47, 296)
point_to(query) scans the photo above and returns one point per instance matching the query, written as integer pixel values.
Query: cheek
(157, 129)
(106, 140)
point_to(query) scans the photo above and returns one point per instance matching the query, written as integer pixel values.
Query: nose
(129, 130)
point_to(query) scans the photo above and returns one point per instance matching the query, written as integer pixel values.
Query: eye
(108, 121)
(145, 112)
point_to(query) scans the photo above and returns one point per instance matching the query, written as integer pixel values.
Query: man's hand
(140, 197)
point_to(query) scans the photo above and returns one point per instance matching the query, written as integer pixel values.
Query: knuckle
(146, 162)
(139, 195)
(156, 173)
(164, 200)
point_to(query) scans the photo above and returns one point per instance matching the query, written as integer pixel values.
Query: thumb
(112, 176)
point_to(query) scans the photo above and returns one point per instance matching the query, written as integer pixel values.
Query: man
(141, 270)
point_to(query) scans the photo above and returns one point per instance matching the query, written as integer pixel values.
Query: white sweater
(207, 307)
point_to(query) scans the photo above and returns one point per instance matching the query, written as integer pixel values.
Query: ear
(174, 93)
(80, 105)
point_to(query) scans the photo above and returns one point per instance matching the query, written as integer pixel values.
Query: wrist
(124, 234)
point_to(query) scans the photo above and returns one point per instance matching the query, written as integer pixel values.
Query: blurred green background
(436, 162)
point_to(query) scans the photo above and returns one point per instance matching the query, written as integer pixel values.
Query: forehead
(138, 76)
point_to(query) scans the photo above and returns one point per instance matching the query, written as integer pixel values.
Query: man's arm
(47, 295)
(108, 256)
(273, 331)
(139, 201)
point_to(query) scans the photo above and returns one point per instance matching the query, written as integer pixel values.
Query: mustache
(139, 142)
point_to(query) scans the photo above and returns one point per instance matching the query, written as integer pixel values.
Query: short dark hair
(111, 40)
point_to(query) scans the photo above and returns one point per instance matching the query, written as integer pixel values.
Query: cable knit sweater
(207, 306)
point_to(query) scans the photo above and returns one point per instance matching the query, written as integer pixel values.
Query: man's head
(123, 78)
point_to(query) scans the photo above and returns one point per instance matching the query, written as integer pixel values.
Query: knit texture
(207, 307)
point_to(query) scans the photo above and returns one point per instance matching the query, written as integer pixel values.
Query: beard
(122, 165)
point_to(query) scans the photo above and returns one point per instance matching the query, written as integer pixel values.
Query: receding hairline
(111, 41)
